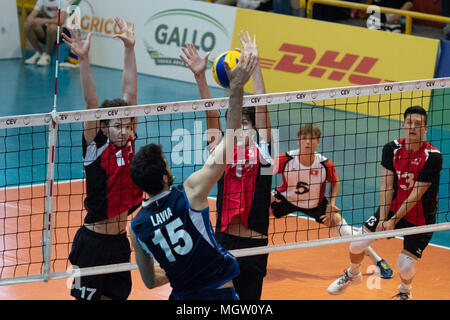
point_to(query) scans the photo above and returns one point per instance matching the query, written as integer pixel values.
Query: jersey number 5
(302, 188)
(175, 233)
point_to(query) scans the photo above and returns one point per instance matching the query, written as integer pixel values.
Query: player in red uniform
(108, 150)
(410, 176)
(305, 175)
(243, 193)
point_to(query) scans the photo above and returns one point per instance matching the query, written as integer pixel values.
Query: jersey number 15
(180, 241)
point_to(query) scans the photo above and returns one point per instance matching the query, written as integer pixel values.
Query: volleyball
(218, 69)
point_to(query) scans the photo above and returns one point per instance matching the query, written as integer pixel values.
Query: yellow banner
(304, 54)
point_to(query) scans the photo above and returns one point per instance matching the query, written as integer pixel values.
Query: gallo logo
(332, 65)
(171, 29)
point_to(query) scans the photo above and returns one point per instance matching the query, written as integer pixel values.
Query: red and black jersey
(304, 186)
(244, 189)
(423, 165)
(110, 190)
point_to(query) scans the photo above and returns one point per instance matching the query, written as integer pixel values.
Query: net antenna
(47, 236)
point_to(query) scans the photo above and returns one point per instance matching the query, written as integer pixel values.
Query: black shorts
(248, 284)
(284, 207)
(90, 249)
(414, 243)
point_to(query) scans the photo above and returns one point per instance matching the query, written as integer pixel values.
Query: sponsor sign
(161, 29)
(304, 54)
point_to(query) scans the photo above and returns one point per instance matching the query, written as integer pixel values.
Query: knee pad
(358, 247)
(343, 229)
(405, 266)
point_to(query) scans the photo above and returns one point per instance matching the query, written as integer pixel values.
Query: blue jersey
(182, 240)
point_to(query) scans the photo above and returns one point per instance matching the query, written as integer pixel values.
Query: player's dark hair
(416, 110)
(118, 102)
(247, 113)
(148, 168)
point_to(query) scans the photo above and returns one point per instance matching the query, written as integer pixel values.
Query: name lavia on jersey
(161, 217)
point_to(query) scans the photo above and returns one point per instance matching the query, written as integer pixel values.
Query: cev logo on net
(299, 59)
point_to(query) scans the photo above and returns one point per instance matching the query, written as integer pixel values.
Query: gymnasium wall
(9, 31)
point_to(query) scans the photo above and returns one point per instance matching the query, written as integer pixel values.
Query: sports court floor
(294, 274)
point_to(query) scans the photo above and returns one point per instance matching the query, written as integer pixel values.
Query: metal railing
(409, 15)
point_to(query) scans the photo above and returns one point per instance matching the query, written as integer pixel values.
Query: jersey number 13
(405, 180)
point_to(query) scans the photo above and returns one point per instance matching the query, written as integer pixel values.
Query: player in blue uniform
(173, 225)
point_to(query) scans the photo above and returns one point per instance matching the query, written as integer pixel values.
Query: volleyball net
(42, 180)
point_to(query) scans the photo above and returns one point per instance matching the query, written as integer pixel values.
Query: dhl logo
(298, 59)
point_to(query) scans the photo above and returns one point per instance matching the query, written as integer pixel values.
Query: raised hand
(79, 46)
(193, 60)
(126, 33)
(239, 75)
(249, 46)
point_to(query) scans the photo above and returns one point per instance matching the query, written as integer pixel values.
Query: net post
(47, 232)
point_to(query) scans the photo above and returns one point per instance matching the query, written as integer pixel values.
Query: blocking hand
(79, 46)
(126, 33)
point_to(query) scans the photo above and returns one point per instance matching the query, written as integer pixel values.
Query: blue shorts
(207, 294)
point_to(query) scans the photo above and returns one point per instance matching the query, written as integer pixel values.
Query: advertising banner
(295, 53)
(306, 54)
(161, 29)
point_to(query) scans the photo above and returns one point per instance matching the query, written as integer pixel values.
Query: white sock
(404, 287)
(354, 269)
(372, 255)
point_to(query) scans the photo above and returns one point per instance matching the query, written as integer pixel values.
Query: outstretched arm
(81, 48)
(262, 117)
(198, 65)
(200, 183)
(129, 75)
